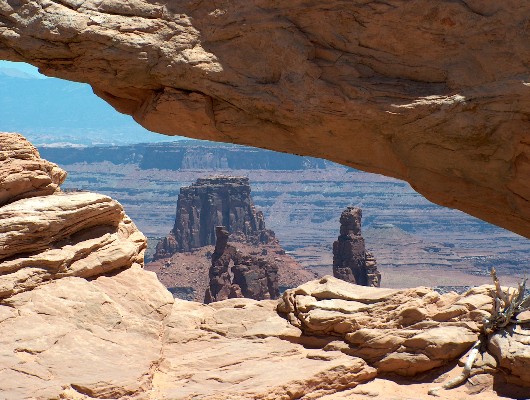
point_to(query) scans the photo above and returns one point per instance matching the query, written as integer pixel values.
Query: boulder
(23, 173)
(406, 332)
(81, 319)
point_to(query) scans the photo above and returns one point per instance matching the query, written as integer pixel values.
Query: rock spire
(351, 262)
(235, 274)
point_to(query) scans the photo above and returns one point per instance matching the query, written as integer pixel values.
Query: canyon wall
(435, 93)
(182, 155)
(80, 318)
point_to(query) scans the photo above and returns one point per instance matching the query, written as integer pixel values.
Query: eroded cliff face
(252, 266)
(210, 202)
(435, 93)
(234, 274)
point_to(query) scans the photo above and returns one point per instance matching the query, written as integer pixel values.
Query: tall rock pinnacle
(235, 274)
(351, 262)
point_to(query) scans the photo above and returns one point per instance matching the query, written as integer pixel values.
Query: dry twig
(506, 308)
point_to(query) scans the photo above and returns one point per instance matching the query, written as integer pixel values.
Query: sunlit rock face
(423, 91)
(46, 234)
(80, 319)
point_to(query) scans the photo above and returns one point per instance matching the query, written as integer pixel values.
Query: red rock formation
(419, 90)
(351, 262)
(234, 274)
(76, 308)
(211, 202)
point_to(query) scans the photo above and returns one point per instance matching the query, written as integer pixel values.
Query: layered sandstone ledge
(81, 319)
(432, 92)
(46, 234)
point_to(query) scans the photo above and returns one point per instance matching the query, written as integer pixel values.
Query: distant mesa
(183, 155)
(253, 265)
(351, 262)
(210, 202)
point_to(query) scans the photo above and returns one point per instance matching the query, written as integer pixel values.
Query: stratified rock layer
(80, 319)
(351, 262)
(23, 173)
(423, 91)
(406, 332)
(210, 202)
(80, 339)
(46, 234)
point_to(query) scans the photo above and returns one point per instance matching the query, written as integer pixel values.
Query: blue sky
(50, 110)
(27, 68)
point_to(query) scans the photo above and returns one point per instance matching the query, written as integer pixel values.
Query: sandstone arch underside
(433, 92)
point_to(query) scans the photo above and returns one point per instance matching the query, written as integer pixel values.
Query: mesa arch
(436, 93)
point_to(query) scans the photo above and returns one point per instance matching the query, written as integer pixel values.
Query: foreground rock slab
(81, 319)
(414, 90)
(99, 338)
(125, 337)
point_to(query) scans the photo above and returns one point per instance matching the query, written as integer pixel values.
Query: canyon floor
(414, 241)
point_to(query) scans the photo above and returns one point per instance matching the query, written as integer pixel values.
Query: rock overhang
(434, 93)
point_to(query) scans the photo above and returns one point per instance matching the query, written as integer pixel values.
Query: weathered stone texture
(80, 319)
(234, 274)
(23, 173)
(432, 92)
(351, 262)
(407, 331)
(46, 234)
(211, 202)
(79, 339)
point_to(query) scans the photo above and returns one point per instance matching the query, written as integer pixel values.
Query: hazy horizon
(51, 110)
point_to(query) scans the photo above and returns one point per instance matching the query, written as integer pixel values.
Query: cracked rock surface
(125, 337)
(433, 92)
